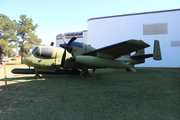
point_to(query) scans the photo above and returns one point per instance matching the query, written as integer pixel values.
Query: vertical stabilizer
(157, 51)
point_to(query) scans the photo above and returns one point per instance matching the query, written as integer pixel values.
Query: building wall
(161, 25)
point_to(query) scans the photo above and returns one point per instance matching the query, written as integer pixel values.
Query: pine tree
(7, 35)
(26, 33)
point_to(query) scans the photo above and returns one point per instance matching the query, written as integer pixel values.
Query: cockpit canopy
(43, 52)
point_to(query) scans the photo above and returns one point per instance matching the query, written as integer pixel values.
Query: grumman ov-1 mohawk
(83, 57)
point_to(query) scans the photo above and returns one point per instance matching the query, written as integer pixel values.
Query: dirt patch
(5, 70)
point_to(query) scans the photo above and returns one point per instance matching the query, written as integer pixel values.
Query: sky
(61, 16)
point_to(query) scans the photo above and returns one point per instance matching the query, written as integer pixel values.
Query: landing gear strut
(37, 76)
(84, 72)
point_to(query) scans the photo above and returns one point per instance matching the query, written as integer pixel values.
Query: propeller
(66, 47)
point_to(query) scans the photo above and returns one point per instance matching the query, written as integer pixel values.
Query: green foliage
(20, 34)
(7, 34)
(26, 33)
(13, 59)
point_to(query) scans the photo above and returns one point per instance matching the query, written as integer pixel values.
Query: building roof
(69, 35)
(134, 14)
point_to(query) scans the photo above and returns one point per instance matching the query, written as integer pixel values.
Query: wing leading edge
(121, 48)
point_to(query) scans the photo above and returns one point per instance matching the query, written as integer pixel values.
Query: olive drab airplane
(79, 56)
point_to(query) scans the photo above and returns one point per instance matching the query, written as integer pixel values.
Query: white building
(81, 37)
(161, 25)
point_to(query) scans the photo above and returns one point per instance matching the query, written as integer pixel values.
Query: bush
(13, 59)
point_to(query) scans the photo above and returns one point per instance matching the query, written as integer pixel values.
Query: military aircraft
(79, 56)
(113, 56)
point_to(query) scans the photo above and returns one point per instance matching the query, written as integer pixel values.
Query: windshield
(46, 52)
(43, 52)
(36, 51)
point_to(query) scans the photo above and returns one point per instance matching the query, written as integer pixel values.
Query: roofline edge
(170, 10)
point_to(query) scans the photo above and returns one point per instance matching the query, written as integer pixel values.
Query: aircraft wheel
(37, 76)
(84, 75)
(84, 72)
(128, 70)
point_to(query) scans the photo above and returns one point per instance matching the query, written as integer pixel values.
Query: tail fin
(157, 51)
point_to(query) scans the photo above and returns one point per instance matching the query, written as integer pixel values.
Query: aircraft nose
(25, 61)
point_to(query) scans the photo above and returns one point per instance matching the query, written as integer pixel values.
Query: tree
(26, 33)
(7, 34)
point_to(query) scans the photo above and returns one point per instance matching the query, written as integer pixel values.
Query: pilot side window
(46, 52)
(36, 52)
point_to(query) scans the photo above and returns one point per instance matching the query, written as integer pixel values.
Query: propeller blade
(72, 40)
(63, 58)
(55, 60)
(63, 37)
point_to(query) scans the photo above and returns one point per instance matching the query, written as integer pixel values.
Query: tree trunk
(21, 59)
(22, 53)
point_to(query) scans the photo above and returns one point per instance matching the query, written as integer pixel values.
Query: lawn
(111, 94)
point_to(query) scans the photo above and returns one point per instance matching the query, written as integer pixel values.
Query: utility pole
(5, 76)
(1, 50)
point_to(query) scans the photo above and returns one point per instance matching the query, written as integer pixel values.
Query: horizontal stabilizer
(142, 56)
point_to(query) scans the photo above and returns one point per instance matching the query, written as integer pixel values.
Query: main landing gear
(84, 72)
(37, 76)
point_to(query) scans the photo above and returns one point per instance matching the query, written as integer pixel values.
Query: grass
(110, 94)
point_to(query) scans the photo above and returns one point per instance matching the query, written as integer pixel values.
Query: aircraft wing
(116, 50)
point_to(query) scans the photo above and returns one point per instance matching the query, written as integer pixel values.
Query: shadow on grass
(18, 78)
